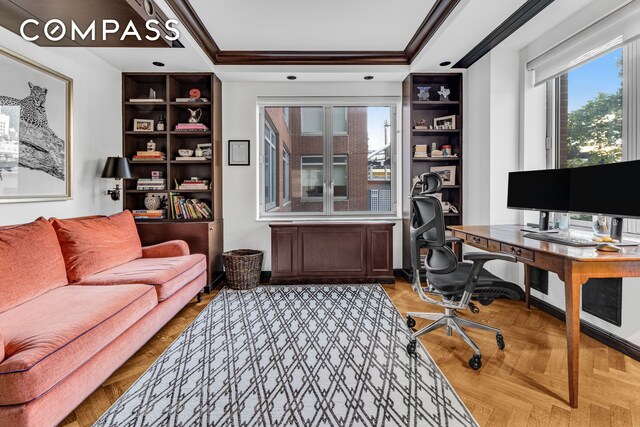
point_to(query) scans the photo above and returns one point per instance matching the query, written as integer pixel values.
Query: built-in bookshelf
(190, 185)
(432, 140)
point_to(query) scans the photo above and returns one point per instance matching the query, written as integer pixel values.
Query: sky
(600, 75)
(375, 125)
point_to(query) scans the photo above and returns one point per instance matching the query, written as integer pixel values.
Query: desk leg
(527, 285)
(572, 285)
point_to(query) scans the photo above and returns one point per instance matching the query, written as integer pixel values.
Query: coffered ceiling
(335, 40)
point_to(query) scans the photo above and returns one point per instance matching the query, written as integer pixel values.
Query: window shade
(609, 33)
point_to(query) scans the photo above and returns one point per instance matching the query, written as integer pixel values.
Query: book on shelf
(422, 148)
(194, 184)
(421, 127)
(186, 159)
(146, 100)
(182, 208)
(191, 127)
(192, 100)
(149, 155)
(420, 155)
(151, 184)
(149, 213)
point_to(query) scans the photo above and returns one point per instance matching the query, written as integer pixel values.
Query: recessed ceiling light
(368, 77)
(445, 63)
(158, 63)
(291, 77)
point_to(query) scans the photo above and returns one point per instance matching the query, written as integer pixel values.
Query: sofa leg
(199, 296)
(207, 289)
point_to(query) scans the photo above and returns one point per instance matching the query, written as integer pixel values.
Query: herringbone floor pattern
(525, 385)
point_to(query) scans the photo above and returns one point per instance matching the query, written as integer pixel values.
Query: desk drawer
(480, 242)
(519, 252)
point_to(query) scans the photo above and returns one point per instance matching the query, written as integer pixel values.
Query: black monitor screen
(606, 189)
(543, 190)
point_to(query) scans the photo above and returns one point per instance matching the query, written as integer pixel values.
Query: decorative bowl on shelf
(185, 153)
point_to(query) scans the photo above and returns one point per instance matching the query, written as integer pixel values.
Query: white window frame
(328, 213)
(630, 121)
(286, 178)
(270, 139)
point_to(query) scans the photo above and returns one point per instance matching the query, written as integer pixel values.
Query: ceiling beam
(191, 21)
(261, 57)
(436, 17)
(520, 17)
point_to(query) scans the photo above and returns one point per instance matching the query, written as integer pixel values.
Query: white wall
(491, 144)
(240, 186)
(96, 130)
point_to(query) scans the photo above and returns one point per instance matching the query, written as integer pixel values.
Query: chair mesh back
(427, 210)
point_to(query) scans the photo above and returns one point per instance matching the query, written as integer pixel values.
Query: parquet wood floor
(524, 385)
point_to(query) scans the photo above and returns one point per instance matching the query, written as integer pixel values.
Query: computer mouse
(607, 247)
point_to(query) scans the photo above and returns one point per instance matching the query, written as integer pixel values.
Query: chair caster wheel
(411, 322)
(411, 347)
(475, 362)
(474, 308)
(500, 341)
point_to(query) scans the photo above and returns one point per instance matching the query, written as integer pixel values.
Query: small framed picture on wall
(239, 152)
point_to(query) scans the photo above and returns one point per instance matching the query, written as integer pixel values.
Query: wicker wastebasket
(243, 267)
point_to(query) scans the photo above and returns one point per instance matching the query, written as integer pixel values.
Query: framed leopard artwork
(35, 131)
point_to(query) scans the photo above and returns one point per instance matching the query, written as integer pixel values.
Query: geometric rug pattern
(301, 355)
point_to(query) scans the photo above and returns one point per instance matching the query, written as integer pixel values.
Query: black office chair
(455, 283)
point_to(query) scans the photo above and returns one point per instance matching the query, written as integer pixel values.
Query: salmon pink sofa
(79, 297)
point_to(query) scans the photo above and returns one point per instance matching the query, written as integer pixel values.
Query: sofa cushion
(97, 244)
(167, 275)
(49, 337)
(31, 263)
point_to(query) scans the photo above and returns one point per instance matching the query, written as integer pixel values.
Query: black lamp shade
(117, 167)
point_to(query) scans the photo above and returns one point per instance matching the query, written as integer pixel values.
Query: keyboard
(562, 240)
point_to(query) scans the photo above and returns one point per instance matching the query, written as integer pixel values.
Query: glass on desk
(561, 221)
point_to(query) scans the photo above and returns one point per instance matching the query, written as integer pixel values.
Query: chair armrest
(488, 256)
(168, 249)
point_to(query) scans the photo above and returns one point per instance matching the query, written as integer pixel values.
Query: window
(333, 160)
(286, 193)
(312, 121)
(269, 167)
(589, 113)
(285, 112)
(312, 171)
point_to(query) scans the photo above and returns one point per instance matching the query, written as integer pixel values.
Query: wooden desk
(574, 265)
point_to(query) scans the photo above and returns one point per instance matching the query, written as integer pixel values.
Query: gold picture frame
(36, 122)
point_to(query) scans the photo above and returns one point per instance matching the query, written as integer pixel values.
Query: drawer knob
(476, 239)
(516, 251)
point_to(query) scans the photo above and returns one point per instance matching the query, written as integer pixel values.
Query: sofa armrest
(166, 249)
(1, 349)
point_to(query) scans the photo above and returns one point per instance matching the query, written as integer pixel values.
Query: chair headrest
(431, 182)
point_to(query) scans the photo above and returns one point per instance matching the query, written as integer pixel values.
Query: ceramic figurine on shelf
(195, 115)
(151, 146)
(198, 152)
(423, 93)
(444, 93)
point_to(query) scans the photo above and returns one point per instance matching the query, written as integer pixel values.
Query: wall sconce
(118, 168)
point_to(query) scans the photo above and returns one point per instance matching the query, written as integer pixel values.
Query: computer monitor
(541, 190)
(606, 190)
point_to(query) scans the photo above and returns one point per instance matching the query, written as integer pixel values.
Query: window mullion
(328, 160)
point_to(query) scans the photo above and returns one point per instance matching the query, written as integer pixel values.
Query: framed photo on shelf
(207, 151)
(444, 122)
(35, 131)
(446, 173)
(239, 153)
(142, 125)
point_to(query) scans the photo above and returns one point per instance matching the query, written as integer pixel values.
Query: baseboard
(607, 338)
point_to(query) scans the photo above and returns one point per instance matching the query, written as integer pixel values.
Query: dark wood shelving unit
(203, 235)
(415, 110)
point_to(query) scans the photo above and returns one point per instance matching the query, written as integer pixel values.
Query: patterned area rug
(307, 355)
